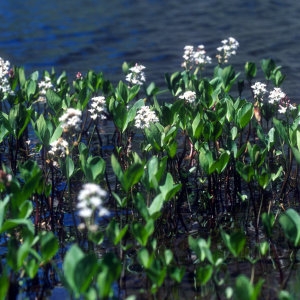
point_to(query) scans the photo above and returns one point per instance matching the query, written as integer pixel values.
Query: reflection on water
(77, 35)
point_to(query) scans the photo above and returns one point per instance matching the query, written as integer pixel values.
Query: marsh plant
(133, 191)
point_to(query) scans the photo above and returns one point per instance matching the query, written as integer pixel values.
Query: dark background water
(78, 35)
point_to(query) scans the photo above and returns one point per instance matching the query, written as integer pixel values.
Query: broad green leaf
(84, 272)
(95, 166)
(290, 222)
(234, 242)
(221, 163)
(268, 65)
(250, 70)
(72, 258)
(204, 274)
(244, 114)
(145, 258)
(169, 189)
(117, 169)
(54, 100)
(268, 220)
(156, 205)
(13, 223)
(49, 246)
(245, 290)
(110, 270)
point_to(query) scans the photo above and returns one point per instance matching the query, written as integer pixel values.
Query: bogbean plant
(158, 190)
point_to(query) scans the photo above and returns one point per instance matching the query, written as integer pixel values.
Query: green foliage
(205, 160)
(290, 222)
(79, 269)
(245, 290)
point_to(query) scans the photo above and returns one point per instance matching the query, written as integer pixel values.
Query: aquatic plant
(194, 186)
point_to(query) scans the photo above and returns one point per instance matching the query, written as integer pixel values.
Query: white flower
(144, 117)
(44, 85)
(90, 199)
(285, 105)
(71, 119)
(196, 58)
(59, 148)
(259, 90)
(98, 108)
(137, 75)
(4, 72)
(276, 95)
(228, 48)
(200, 57)
(189, 96)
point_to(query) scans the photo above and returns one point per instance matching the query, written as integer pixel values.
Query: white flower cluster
(196, 58)
(4, 71)
(137, 75)
(259, 90)
(98, 108)
(276, 97)
(189, 96)
(71, 120)
(228, 48)
(59, 149)
(44, 85)
(285, 105)
(90, 199)
(144, 117)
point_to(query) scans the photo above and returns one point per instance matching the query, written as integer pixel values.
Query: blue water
(78, 35)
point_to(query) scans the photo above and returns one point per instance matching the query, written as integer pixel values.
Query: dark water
(77, 35)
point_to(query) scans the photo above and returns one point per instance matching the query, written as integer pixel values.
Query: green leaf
(117, 168)
(115, 233)
(145, 258)
(290, 222)
(204, 274)
(110, 270)
(54, 100)
(3, 204)
(264, 179)
(281, 130)
(169, 189)
(246, 171)
(84, 272)
(244, 114)
(95, 166)
(4, 285)
(228, 78)
(268, 65)
(201, 247)
(68, 167)
(42, 131)
(268, 220)
(79, 270)
(234, 242)
(13, 223)
(221, 163)
(250, 70)
(197, 126)
(206, 160)
(49, 246)
(56, 135)
(32, 266)
(156, 205)
(143, 232)
(296, 153)
(132, 175)
(245, 290)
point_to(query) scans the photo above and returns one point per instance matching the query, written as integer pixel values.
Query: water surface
(77, 35)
